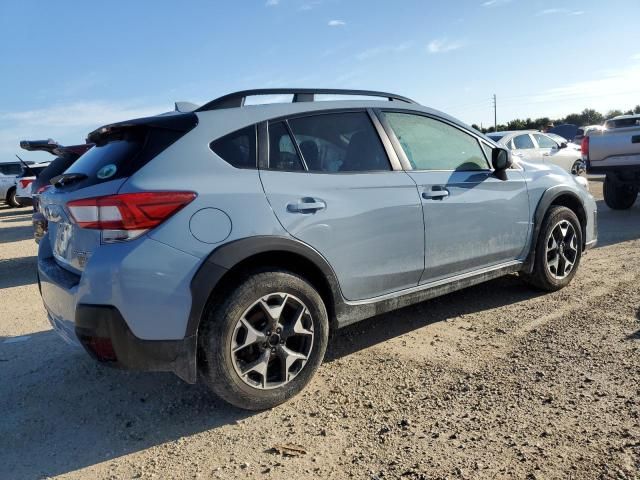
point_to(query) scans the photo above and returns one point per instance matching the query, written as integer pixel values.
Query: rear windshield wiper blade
(67, 179)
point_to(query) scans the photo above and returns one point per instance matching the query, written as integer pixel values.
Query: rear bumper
(126, 311)
(107, 338)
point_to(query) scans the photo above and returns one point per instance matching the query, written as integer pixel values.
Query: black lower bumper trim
(25, 201)
(100, 324)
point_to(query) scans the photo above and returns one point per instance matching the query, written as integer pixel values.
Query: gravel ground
(496, 381)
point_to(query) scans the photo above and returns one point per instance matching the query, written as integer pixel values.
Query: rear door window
(522, 142)
(339, 142)
(282, 151)
(544, 141)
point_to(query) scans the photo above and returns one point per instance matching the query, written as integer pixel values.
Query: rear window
(495, 138)
(109, 161)
(125, 148)
(32, 171)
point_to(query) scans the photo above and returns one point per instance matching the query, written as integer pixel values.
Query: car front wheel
(264, 342)
(558, 250)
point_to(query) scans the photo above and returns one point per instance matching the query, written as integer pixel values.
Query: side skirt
(352, 312)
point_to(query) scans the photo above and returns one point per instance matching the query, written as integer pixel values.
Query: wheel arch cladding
(555, 196)
(227, 265)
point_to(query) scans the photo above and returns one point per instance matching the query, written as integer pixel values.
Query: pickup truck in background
(615, 152)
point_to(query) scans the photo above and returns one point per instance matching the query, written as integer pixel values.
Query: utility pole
(495, 113)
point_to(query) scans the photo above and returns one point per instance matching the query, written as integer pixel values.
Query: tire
(618, 196)
(578, 168)
(11, 198)
(545, 275)
(223, 331)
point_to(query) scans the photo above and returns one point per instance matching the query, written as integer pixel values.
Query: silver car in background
(535, 146)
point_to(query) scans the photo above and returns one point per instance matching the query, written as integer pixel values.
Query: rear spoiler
(177, 121)
(54, 148)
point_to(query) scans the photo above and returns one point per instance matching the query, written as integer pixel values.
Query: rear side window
(522, 142)
(339, 142)
(238, 148)
(430, 144)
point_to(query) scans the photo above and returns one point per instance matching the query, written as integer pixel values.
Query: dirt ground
(496, 381)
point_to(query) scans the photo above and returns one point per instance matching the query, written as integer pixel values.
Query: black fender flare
(227, 256)
(548, 198)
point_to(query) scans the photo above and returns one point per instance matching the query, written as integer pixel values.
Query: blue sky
(70, 66)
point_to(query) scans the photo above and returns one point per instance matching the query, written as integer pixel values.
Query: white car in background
(534, 146)
(8, 173)
(25, 180)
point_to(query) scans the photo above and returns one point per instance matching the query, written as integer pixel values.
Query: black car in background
(65, 157)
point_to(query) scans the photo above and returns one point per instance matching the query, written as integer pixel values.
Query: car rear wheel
(558, 250)
(11, 198)
(578, 168)
(265, 341)
(617, 195)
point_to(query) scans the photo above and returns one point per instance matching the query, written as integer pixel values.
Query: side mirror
(563, 145)
(500, 159)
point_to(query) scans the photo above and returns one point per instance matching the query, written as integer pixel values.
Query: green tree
(591, 117)
(637, 109)
(613, 113)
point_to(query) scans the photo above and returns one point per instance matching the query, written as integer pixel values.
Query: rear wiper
(67, 179)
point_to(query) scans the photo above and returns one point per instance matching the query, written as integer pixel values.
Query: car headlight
(583, 182)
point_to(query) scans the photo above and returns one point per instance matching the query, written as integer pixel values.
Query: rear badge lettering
(107, 171)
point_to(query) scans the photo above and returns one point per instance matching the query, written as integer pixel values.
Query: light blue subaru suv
(225, 242)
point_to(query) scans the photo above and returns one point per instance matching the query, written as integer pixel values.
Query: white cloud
(442, 45)
(272, 3)
(337, 23)
(67, 123)
(495, 3)
(609, 84)
(551, 11)
(375, 51)
(635, 57)
(305, 7)
(559, 11)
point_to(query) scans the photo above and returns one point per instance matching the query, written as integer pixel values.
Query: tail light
(584, 148)
(128, 215)
(24, 183)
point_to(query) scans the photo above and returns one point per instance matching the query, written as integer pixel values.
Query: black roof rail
(237, 99)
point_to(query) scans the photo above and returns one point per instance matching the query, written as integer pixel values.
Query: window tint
(433, 145)
(544, 141)
(237, 148)
(339, 142)
(282, 151)
(523, 141)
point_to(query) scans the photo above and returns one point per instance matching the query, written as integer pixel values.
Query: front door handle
(306, 205)
(436, 193)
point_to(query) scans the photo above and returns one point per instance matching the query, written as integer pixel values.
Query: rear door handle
(306, 205)
(436, 193)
